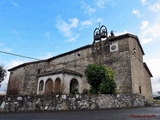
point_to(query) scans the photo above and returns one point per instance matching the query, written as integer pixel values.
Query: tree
(3, 73)
(100, 78)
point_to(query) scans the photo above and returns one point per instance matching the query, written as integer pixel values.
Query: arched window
(58, 86)
(73, 85)
(41, 83)
(49, 86)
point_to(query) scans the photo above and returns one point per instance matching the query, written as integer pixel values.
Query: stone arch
(57, 87)
(73, 84)
(49, 86)
(41, 83)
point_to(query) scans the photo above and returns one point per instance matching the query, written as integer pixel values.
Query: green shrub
(107, 86)
(95, 73)
(101, 79)
(92, 91)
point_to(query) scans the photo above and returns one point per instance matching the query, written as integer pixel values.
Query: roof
(72, 51)
(46, 60)
(80, 48)
(146, 67)
(128, 35)
(71, 72)
(27, 63)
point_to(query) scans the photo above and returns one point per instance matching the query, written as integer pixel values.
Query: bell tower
(99, 35)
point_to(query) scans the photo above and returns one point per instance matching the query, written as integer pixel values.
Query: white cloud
(144, 41)
(74, 22)
(87, 22)
(3, 87)
(72, 39)
(152, 30)
(149, 31)
(143, 2)
(155, 6)
(136, 12)
(155, 30)
(87, 8)
(152, 64)
(144, 24)
(90, 22)
(14, 63)
(155, 84)
(101, 3)
(121, 33)
(66, 28)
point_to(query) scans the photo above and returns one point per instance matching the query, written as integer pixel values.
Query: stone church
(65, 72)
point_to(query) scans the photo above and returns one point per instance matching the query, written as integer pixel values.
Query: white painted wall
(65, 79)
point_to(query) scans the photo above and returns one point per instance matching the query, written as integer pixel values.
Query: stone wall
(119, 62)
(140, 78)
(69, 102)
(24, 79)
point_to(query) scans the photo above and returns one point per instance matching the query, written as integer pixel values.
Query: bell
(97, 37)
(103, 34)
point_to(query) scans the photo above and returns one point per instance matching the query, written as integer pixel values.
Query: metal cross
(99, 24)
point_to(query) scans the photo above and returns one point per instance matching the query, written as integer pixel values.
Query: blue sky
(45, 28)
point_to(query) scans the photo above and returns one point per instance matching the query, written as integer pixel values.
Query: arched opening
(57, 87)
(49, 87)
(73, 86)
(41, 83)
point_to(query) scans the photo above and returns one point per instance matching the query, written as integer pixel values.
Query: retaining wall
(69, 102)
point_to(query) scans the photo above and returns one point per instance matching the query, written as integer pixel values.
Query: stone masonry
(69, 102)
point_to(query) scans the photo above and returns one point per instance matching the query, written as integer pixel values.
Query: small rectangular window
(140, 90)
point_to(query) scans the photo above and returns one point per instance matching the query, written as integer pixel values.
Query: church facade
(65, 72)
